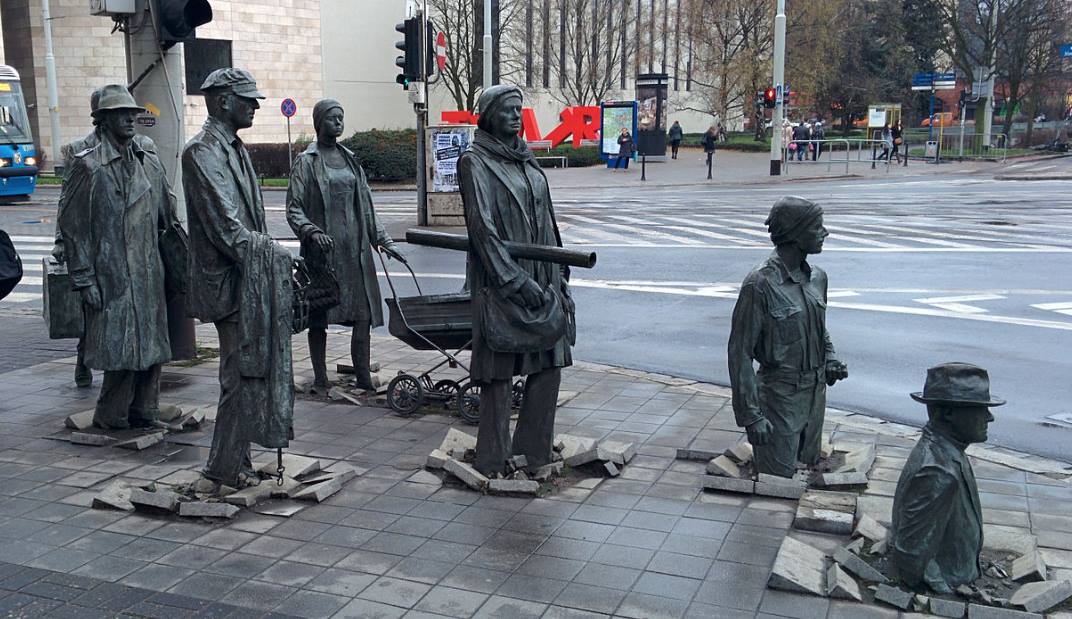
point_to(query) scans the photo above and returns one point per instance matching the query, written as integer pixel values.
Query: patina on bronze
(329, 207)
(522, 309)
(937, 531)
(779, 322)
(115, 202)
(239, 280)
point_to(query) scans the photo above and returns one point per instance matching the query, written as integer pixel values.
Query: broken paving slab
(426, 478)
(699, 455)
(1029, 567)
(724, 466)
(115, 495)
(729, 484)
(165, 500)
(582, 458)
(857, 566)
(822, 520)
(611, 469)
(140, 443)
(780, 487)
(281, 508)
(466, 473)
(859, 460)
(91, 438)
(622, 453)
(80, 421)
(978, 611)
(548, 471)
(842, 480)
(825, 499)
(841, 585)
(168, 412)
(1037, 597)
(456, 439)
(519, 486)
(319, 492)
(436, 459)
(869, 528)
(573, 445)
(293, 465)
(741, 453)
(251, 495)
(947, 608)
(207, 509)
(799, 567)
(342, 472)
(894, 596)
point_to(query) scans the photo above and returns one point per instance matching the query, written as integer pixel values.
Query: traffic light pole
(779, 80)
(421, 108)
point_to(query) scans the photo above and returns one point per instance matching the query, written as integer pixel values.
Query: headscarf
(789, 217)
(321, 109)
(490, 101)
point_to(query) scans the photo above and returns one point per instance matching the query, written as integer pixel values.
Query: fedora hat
(115, 97)
(957, 384)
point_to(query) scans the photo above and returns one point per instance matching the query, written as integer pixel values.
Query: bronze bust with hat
(937, 531)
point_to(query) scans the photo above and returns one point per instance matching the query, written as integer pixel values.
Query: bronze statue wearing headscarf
(506, 198)
(329, 207)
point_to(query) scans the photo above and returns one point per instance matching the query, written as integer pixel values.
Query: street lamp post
(487, 44)
(779, 79)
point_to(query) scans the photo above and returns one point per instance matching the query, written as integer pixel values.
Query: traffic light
(769, 98)
(410, 61)
(177, 19)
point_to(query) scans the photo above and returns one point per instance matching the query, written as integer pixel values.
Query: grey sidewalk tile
(707, 548)
(797, 605)
(565, 548)
(340, 582)
(662, 506)
(623, 556)
(367, 609)
(731, 595)
(271, 546)
(637, 538)
(224, 539)
(610, 498)
(514, 541)
(699, 610)
(641, 606)
(135, 525)
(421, 527)
(17, 528)
(440, 550)
(702, 528)
(840, 609)
(665, 585)
(496, 559)
(323, 513)
(349, 537)
(464, 533)
(365, 519)
(483, 517)
(156, 577)
(259, 595)
(290, 573)
(533, 524)
(180, 532)
(23, 552)
(679, 565)
(590, 598)
(531, 588)
(452, 602)
(599, 514)
(192, 557)
(393, 543)
(473, 578)
(52, 591)
(609, 576)
(762, 536)
(423, 570)
(319, 554)
(102, 542)
(62, 560)
(500, 607)
(145, 549)
(436, 510)
(562, 612)
(110, 568)
(751, 555)
(764, 518)
(58, 535)
(556, 568)
(302, 530)
(370, 562)
(394, 591)
(206, 586)
(588, 531)
(240, 565)
(311, 605)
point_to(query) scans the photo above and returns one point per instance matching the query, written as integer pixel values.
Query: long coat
(497, 192)
(353, 227)
(111, 224)
(224, 206)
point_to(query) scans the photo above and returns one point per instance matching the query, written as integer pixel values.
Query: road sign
(288, 107)
(441, 50)
(1066, 50)
(937, 81)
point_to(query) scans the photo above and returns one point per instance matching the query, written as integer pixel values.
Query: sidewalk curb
(1027, 177)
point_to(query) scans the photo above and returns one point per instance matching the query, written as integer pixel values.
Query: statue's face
(241, 110)
(968, 424)
(506, 121)
(811, 239)
(119, 123)
(332, 124)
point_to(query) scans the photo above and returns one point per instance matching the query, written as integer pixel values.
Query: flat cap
(230, 79)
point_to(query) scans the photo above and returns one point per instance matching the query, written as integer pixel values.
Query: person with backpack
(710, 138)
(818, 134)
(675, 135)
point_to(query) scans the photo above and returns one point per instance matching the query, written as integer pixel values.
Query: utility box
(111, 7)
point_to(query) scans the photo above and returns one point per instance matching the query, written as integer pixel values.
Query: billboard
(616, 115)
(446, 145)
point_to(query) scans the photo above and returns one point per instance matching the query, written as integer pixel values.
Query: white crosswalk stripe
(31, 250)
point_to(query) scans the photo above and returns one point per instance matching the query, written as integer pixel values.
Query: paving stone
(826, 447)
(947, 608)
(894, 596)
(523, 486)
(625, 451)
(248, 497)
(785, 489)
(728, 484)
(856, 546)
(519, 462)
(724, 466)
(611, 469)
(91, 438)
(283, 509)
(859, 461)
(426, 478)
(293, 465)
(115, 495)
(869, 528)
(436, 459)
(548, 471)
(456, 439)
(842, 480)
(319, 492)
(340, 471)
(1040, 596)
(701, 455)
(978, 611)
(573, 445)
(161, 499)
(470, 476)
(80, 421)
(799, 567)
(1029, 567)
(857, 566)
(142, 442)
(207, 509)
(840, 585)
(582, 457)
(822, 520)
(741, 452)
(824, 499)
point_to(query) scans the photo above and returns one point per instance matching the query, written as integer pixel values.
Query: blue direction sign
(288, 107)
(1066, 50)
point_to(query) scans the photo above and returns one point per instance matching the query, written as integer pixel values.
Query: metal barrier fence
(830, 155)
(952, 143)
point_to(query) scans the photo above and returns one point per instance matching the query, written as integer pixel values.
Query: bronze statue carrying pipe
(521, 251)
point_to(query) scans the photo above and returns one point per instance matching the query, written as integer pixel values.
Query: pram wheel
(405, 394)
(448, 389)
(469, 404)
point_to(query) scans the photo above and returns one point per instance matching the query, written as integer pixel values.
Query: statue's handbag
(62, 304)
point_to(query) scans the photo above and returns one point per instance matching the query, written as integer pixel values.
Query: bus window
(14, 125)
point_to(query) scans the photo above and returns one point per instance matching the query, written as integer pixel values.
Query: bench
(545, 146)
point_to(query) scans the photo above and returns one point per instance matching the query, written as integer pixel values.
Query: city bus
(18, 159)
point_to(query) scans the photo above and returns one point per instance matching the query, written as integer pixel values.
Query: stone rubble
(207, 509)
(160, 499)
(857, 566)
(799, 567)
(1038, 597)
(1029, 567)
(869, 528)
(947, 608)
(841, 585)
(894, 596)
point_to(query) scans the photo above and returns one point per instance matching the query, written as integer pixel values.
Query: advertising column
(651, 115)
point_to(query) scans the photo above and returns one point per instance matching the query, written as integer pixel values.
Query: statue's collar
(222, 130)
(804, 274)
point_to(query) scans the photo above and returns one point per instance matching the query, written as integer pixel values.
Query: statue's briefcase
(63, 305)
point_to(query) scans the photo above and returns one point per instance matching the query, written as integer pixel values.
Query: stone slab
(978, 611)
(725, 466)
(869, 528)
(841, 480)
(841, 585)
(894, 596)
(548, 471)
(729, 484)
(582, 457)
(624, 451)
(293, 465)
(91, 438)
(1037, 597)
(822, 520)
(168, 412)
(799, 567)
(779, 489)
(456, 439)
(1029, 567)
(161, 499)
(519, 462)
(857, 566)
(466, 473)
(611, 469)
(283, 509)
(859, 460)
(741, 453)
(947, 608)
(115, 495)
(319, 492)
(521, 486)
(250, 496)
(572, 445)
(699, 455)
(436, 459)
(142, 442)
(844, 502)
(207, 509)
(426, 478)
(287, 489)
(340, 471)
(80, 421)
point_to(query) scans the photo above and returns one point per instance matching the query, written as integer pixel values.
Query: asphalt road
(922, 270)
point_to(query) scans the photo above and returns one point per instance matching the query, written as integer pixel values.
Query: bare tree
(1028, 60)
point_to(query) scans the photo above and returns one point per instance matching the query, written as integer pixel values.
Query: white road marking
(20, 297)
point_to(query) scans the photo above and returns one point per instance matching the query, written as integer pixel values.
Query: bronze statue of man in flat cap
(937, 531)
(780, 323)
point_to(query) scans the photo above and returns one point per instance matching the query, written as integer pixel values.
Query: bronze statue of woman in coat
(522, 309)
(329, 207)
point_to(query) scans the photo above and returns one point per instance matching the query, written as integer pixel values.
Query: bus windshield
(14, 124)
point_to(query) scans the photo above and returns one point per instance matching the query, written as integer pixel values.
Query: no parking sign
(289, 108)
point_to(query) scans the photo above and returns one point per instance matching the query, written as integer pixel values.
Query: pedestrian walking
(898, 139)
(887, 142)
(626, 148)
(709, 139)
(787, 139)
(818, 134)
(721, 132)
(800, 140)
(675, 135)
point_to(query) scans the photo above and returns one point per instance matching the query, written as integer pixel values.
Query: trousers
(230, 454)
(128, 398)
(807, 404)
(535, 430)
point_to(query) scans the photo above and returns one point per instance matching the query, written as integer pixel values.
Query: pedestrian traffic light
(177, 19)
(410, 61)
(769, 98)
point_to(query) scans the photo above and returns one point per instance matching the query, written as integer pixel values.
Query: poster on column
(446, 144)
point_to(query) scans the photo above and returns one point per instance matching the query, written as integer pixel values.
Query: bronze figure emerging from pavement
(780, 322)
(240, 280)
(937, 531)
(115, 202)
(329, 207)
(522, 309)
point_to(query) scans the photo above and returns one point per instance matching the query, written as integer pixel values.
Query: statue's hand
(530, 294)
(759, 432)
(91, 296)
(323, 242)
(59, 253)
(835, 371)
(393, 252)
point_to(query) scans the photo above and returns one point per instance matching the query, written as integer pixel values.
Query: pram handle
(525, 251)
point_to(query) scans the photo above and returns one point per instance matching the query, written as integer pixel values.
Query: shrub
(386, 155)
(575, 157)
(270, 160)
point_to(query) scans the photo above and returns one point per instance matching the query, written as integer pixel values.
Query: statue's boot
(83, 377)
(360, 352)
(318, 350)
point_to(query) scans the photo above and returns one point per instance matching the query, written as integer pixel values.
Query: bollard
(710, 158)
(643, 166)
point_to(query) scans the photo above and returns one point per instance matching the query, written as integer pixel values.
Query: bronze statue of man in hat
(937, 531)
(779, 322)
(115, 202)
(239, 281)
